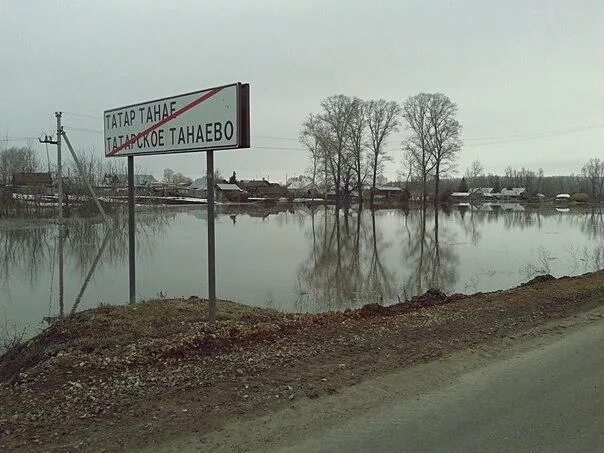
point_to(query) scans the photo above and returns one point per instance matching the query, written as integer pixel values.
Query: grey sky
(513, 67)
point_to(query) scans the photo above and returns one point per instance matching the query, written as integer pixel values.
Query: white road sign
(216, 118)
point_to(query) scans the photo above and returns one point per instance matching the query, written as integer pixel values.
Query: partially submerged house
(389, 193)
(513, 193)
(482, 193)
(230, 192)
(303, 189)
(198, 188)
(261, 188)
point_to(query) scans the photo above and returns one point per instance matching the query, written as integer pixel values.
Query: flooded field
(303, 259)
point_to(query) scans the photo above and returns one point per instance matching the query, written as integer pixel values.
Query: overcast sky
(514, 68)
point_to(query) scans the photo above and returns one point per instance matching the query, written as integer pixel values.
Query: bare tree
(416, 111)
(407, 168)
(357, 131)
(593, 172)
(168, 173)
(17, 160)
(474, 171)
(311, 139)
(446, 140)
(336, 115)
(383, 118)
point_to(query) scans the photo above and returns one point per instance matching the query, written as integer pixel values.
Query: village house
(198, 188)
(389, 193)
(482, 193)
(514, 193)
(230, 192)
(261, 188)
(303, 189)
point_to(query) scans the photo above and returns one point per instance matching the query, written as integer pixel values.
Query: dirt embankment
(124, 377)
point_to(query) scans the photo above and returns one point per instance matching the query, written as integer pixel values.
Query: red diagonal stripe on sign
(180, 111)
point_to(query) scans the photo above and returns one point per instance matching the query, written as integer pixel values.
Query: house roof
(481, 190)
(139, 180)
(513, 192)
(229, 187)
(389, 188)
(254, 182)
(300, 185)
(198, 184)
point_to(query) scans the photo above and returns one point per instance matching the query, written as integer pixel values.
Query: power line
(474, 142)
(83, 115)
(538, 134)
(17, 139)
(83, 129)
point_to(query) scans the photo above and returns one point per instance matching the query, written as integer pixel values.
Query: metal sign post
(211, 240)
(131, 229)
(207, 120)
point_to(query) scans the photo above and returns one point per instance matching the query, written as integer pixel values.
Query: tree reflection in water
(346, 266)
(29, 248)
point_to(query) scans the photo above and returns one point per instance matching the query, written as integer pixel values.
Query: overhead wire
(473, 141)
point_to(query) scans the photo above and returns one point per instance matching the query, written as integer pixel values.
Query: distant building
(460, 195)
(389, 192)
(514, 193)
(32, 179)
(303, 189)
(482, 193)
(261, 188)
(230, 192)
(198, 188)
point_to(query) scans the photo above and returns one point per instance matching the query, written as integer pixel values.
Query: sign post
(211, 242)
(131, 232)
(207, 120)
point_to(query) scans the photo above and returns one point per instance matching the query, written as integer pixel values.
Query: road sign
(211, 119)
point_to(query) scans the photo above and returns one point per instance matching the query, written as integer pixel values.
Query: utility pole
(60, 201)
(48, 140)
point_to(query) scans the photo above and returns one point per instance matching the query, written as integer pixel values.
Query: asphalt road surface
(546, 399)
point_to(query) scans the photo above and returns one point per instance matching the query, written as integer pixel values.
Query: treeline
(15, 160)
(590, 181)
(347, 140)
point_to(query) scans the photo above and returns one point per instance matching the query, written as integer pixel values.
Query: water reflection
(311, 258)
(346, 265)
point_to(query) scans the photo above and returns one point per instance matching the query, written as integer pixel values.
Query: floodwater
(306, 259)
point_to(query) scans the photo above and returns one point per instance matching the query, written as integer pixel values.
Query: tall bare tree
(336, 114)
(357, 136)
(310, 138)
(475, 170)
(446, 140)
(383, 118)
(416, 112)
(593, 172)
(16, 160)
